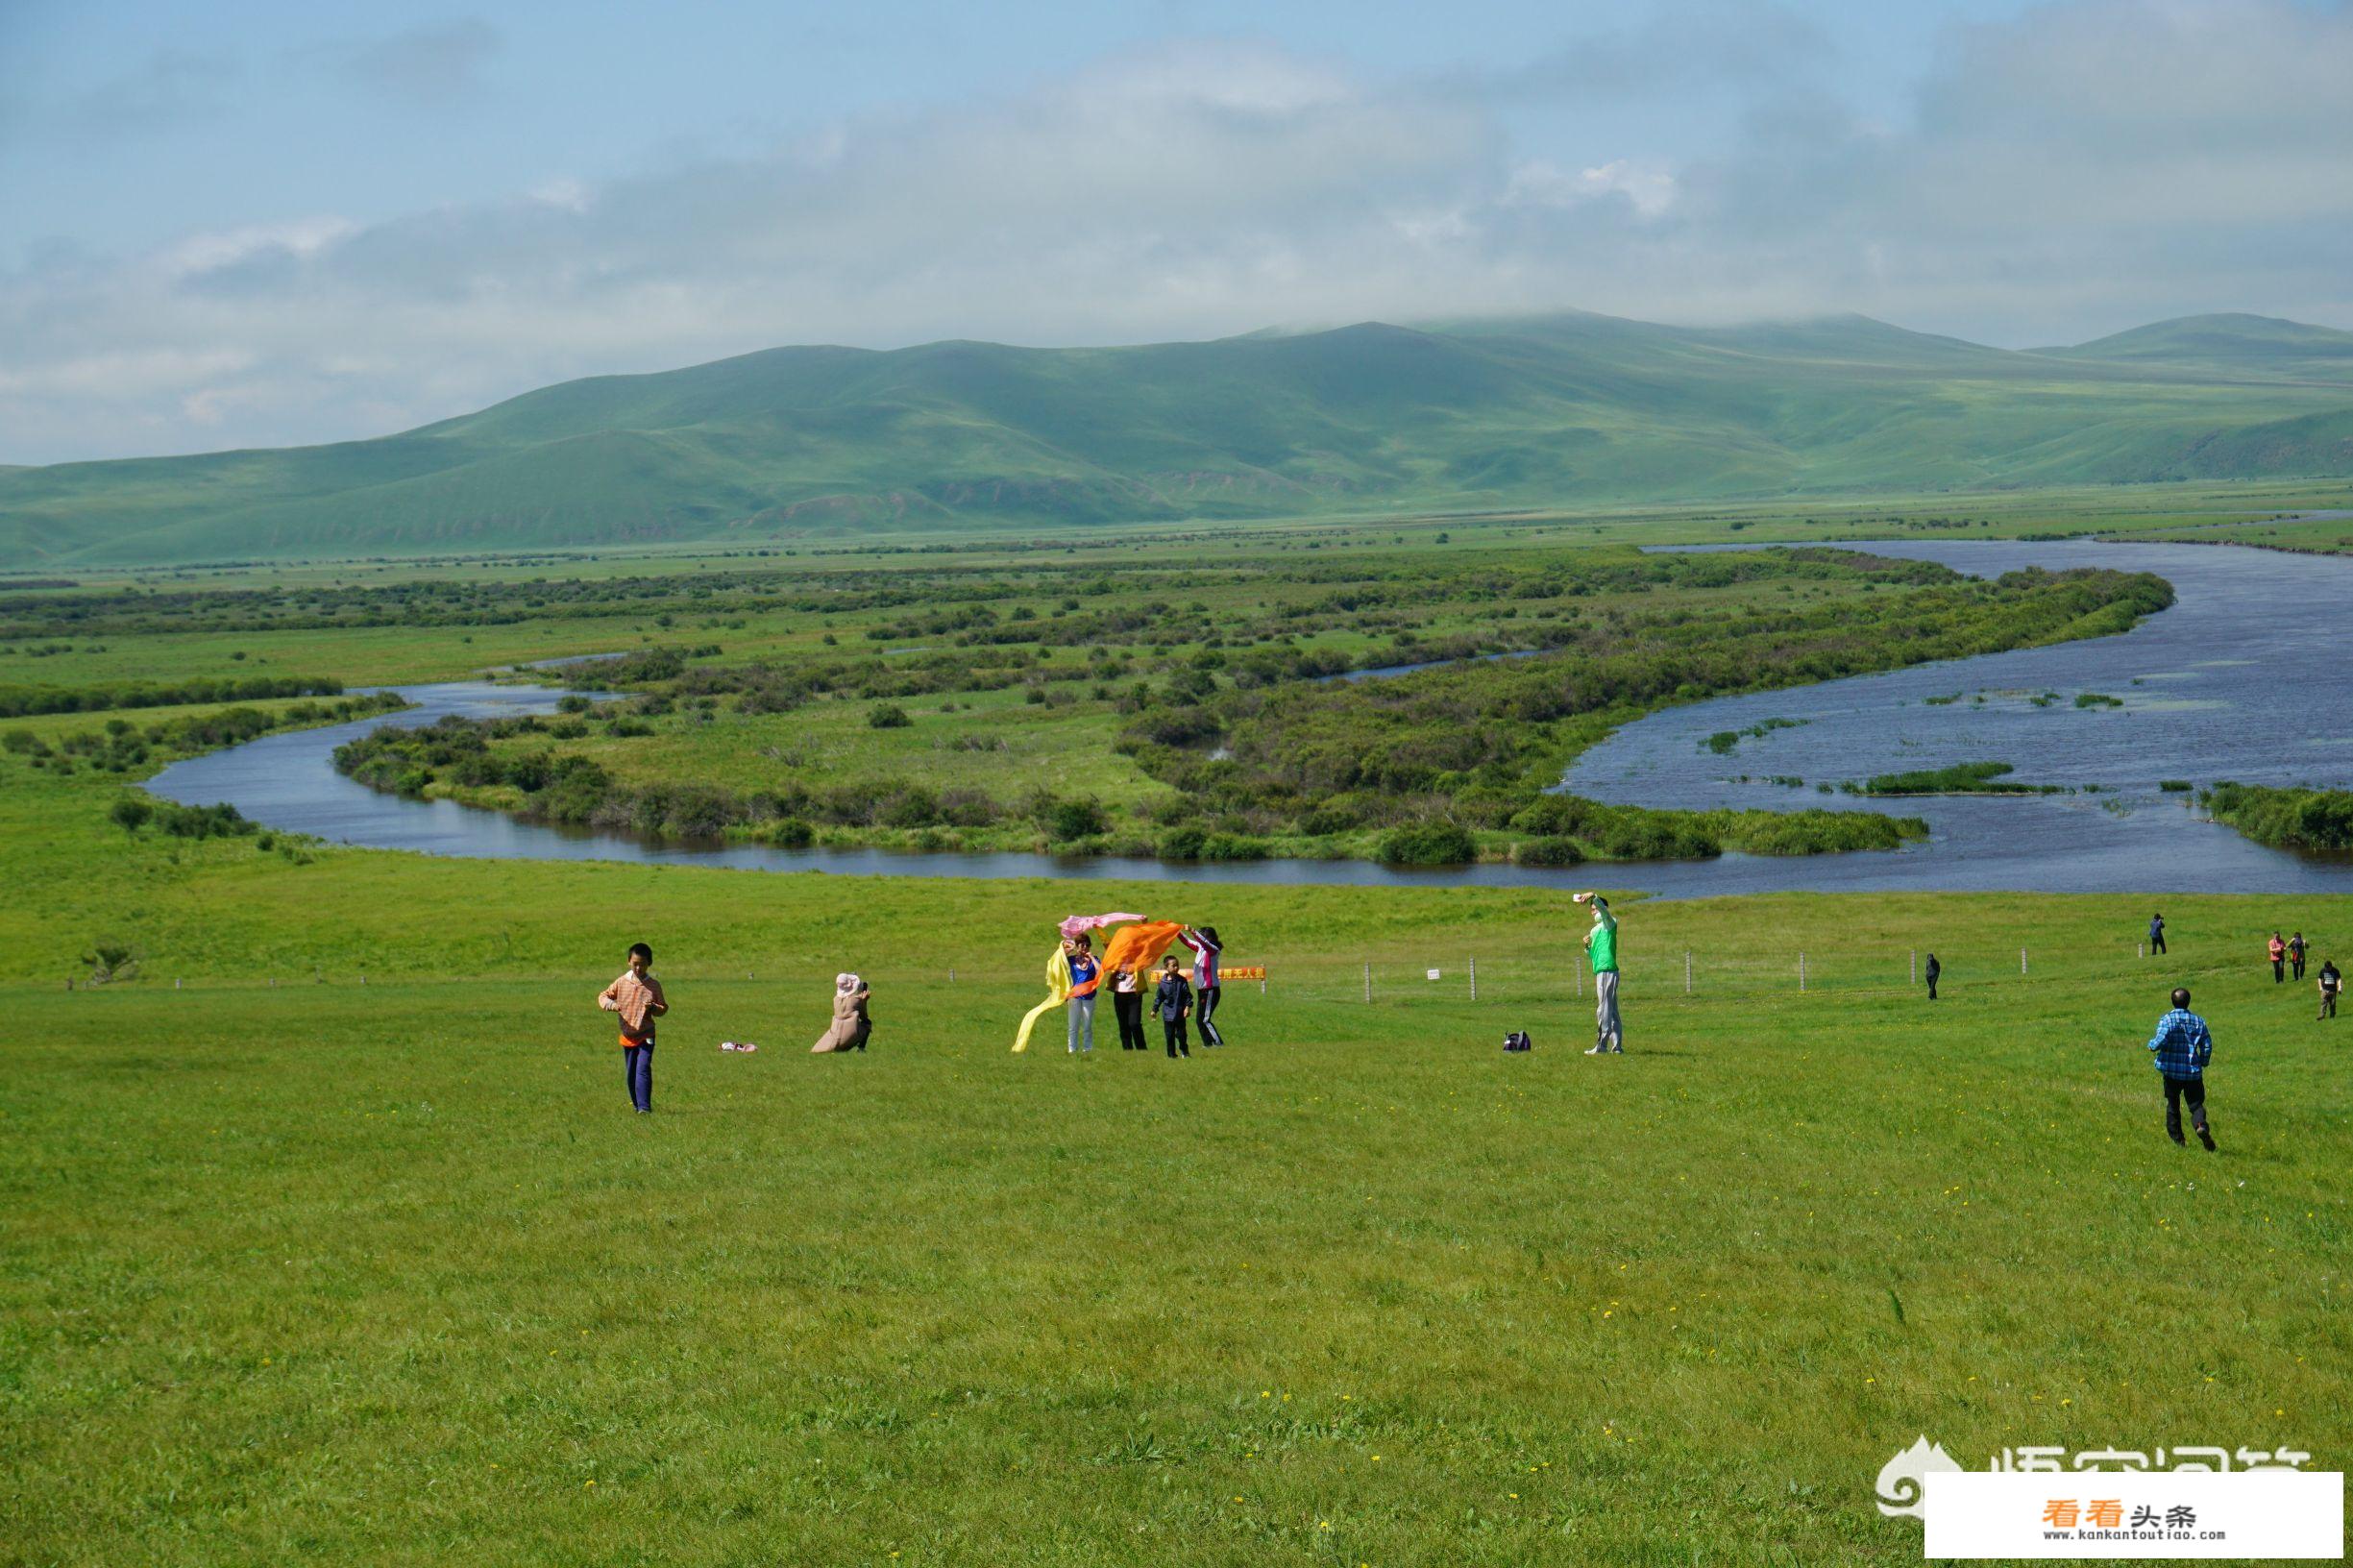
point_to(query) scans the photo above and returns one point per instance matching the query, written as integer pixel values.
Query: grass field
(322, 1271)
(330, 1238)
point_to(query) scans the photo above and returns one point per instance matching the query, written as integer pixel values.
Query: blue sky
(261, 222)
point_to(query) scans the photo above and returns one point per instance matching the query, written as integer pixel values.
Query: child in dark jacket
(1173, 1001)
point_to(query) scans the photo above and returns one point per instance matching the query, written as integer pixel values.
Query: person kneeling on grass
(2183, 1046)
(850, 1026)
(637, 996)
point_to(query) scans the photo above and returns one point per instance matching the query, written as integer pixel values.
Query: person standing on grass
(1934, 969)
(2331, 983)
(2182, 1046)
(2278, 951)
(637, 996)
(1127, 1005)
(1205, 947)
(1172, 1000)
(2156, 935)
(2295, 956)
(1602, 950)
(1085, 975)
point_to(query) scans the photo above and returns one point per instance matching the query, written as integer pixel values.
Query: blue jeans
(637, 1062)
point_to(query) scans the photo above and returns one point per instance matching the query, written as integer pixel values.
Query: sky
(263, 223)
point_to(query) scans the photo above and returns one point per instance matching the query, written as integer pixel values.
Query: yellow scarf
(1057, 982)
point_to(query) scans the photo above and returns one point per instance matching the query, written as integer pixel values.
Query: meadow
(303, 1267)
(330, 1235)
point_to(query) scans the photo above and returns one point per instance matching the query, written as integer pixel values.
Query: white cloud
(2042, 192)
(1648, 188)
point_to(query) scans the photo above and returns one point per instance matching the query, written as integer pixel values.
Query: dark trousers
(637, 1062)
(2279, 970)
(1932, 988)
(2328, 1004)
(2296, 963)
(1128, 1005)
(1208, 1004)
(1173, 1031)
(2156, 941)
(2176, 1091)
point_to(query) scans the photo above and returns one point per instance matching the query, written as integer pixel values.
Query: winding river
(2246, 677)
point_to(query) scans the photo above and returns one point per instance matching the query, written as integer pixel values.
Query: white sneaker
(1598, 1050)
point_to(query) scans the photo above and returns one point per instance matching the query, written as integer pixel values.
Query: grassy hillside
(974, 436)
(305, 1270)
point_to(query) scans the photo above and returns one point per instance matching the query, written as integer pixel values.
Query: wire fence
(1826, 970)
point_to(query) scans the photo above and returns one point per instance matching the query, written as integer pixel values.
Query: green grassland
(332, 1270)
(989, 442)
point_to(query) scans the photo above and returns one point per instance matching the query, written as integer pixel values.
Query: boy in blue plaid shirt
(2183, 1046)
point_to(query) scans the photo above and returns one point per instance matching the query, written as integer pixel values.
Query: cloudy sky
(259, 222)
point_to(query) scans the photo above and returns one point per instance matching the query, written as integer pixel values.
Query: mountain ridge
(963, 435)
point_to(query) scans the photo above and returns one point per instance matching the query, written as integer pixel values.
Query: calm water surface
(2246, 677)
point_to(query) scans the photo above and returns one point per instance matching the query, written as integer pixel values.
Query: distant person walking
(1172, 1001)
(2331, 983)
(1602, 951)
(1127, 1006)
(1206, 949)
(2295, 956)
(2156, 935)
(2182, 1046)
(1085, 977)
(1934, 969)
(2278, 951)
(637, 996)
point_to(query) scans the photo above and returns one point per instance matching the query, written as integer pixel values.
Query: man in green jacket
(1601, 948)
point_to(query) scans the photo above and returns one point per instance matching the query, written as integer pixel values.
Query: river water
(2245, 677)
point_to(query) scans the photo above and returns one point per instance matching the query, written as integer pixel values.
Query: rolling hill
(961, 436)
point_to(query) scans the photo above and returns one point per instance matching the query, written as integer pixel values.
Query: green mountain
(1564, 409)
(2244, 345)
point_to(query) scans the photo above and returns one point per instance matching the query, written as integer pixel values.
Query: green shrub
(1429, 843)
(1547, 853)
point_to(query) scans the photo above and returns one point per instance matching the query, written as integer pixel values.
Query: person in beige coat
(850, 1025)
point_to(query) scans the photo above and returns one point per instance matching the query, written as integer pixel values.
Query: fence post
(1473, 979)
(1687, 971)
(1581, 979)
(1801, 973)
(2140, 949)
(175, 985)
(1368, 982)
(951, 974)
(1916, 965)
(2021, 961)
(1261, 982)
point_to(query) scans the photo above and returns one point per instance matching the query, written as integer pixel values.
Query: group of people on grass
(2286, 956)
(1182, 994)
(1076, 975)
